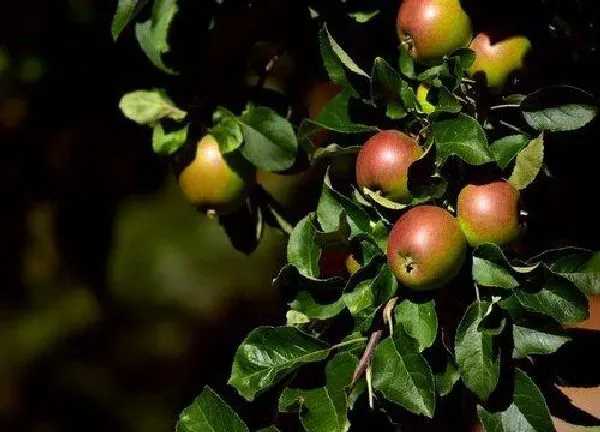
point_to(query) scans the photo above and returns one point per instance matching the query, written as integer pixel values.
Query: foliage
(390, 350)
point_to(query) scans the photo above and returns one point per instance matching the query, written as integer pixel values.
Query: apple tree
(416, 299)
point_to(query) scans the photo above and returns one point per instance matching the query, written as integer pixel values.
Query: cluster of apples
(432, 29)
(427, 245)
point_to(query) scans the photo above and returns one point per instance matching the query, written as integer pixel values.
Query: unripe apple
(422, 92)
(498, 61)
(320, 95)
(433, 28)
(489, 213)
(383, 161)
(337, 262)
(426, 248)
(211, 182)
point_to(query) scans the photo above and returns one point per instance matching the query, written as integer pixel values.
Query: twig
(366, 357)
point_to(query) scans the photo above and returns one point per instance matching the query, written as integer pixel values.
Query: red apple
(382, 164)
(489, 213)
(433, 28)
(426, 248)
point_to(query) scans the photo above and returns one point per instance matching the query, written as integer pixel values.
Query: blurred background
(119, 302)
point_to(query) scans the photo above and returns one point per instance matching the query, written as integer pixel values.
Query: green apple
(499, 60)
(214, 183)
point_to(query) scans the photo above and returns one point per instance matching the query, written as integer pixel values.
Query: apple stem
(513, 127)
(497, 107)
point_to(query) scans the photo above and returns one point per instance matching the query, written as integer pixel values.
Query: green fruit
(211, 182)
(383, 161)
(498, 61)
(489, 213)
(422, 92)
(433, 28)
(426, 248)
(337, 262)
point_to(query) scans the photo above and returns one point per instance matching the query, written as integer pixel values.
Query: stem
(285, 226)
(348, 342)
(496, 107)
(369, 386)
(513, 127)
(366, 357)
(468, 81)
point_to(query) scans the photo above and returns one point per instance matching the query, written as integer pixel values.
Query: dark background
(118, 302)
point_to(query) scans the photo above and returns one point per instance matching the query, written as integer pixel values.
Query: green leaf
(342, 55)
(533, 333)
(331, 205)
(528, 340)
(385, 81)
(228, 134)
(405, 62)
(126, 11)
(447, 101)
(164, 142)
(491, 268)
(582, 268)
(461, 136)
(302, 251)
(306, 304)
(464, 56)
(557, 298)
(528, 164)
(419, 320)
(334, 116)
(317, 412)
(445, 381)
(333, 150)
(363, 17)
(147, 107)
(476, 353)
(269, 429)
(528, 411)
(270, 353)
(506, 149)
(152, 34)
(207, 413)
(336, 61)
(559, 108)
(403, 376)
(338, 374)
(360, 298)
(269, 139)
(293, 318)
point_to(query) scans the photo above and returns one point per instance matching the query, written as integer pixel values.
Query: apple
(433, 28)
(426, 248)
(337, 262)
(422, 92)
(499, 60)
(215, 183)
(489, 213)
(383, 161)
